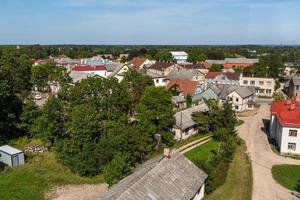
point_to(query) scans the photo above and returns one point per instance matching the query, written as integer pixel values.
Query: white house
(119, 72)
(180, 56)
(263, 86)
(241, 98)
(285, 126)
(159, 80)
(185, 125)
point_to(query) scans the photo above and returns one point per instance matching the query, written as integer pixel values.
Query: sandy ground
(263, 158)
(77, 192)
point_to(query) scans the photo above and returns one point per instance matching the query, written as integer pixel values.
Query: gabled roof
(229, 75)
(187, 87)
(241, 61)
(89, 68)
(287, 116)
(178, 53)
(182, 74)
(212, 75)
(193, 66)
(184, 118)
(243, 92)
(117, 69)
(173, 178)
(178, 99)
(137, 61)
(161, 65)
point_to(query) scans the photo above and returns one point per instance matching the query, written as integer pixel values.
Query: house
(180, 56)
(99, 70)
(201, 67)
(171, 176)
(163, 68)
(119, 72)
(11, 156)
(241, 98)
(77, 76)
(222, 78)
(285, 126)
(211, 92)
(239, 62)
(263, 86)
(185, 126)
(179, 101)
(186, 74)
(184, 87)
(140, 63)
(294, 86)
(159, 80)
(38, 61)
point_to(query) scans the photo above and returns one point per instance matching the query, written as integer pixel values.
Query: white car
(37, 97)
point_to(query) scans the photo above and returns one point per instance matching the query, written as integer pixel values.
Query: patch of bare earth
(78, 192)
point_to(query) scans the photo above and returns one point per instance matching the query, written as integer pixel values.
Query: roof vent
(167, 153)
(292, 107)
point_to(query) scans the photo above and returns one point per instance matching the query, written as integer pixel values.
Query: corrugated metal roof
(10, 150)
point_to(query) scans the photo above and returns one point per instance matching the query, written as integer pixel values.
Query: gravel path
(263, 158)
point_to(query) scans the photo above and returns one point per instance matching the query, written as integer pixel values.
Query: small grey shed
(11, 156)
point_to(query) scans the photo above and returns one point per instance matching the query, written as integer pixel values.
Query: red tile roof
(89, 68)
(187, 87)
(286, 116)
(137, 61)
(206, 64)
(211, 75)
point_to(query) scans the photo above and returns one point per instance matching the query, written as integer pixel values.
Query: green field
(35, 178)
(203, 153)
(238, 184)
(288, 176)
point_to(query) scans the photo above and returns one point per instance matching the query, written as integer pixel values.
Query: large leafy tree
(155, 112)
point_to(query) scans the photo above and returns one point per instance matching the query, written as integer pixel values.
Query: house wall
(238, 103)
(266, 85)
(160, 82)
(200, 194)
(286, 139)
(185, 133)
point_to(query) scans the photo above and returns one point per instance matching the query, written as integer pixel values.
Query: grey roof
(184, 118)
(117, 69)
(176, 74)
(160, 178)
(296, 80)
(178, 99)
(10, 150)
(218, 62)
(178, 53)
(196, 97)
(243, 91)
(154, 75)
(241, 60)
(77, 76)
(112, 66)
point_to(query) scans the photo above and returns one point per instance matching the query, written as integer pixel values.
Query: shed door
(15, 160)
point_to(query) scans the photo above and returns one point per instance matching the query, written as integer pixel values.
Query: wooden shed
(11, 156)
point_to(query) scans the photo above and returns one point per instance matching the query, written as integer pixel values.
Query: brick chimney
(288, 102)
(292, 107)
(167, 153)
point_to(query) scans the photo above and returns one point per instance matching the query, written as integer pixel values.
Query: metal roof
(178, 53)
(10, 150)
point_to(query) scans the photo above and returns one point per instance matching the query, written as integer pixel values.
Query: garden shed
(11, 156)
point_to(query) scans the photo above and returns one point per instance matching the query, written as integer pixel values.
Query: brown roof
(160, 65)
(137, 61)
(232, 76)
(187, 87)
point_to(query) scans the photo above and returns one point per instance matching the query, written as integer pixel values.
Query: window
(269, 83)
(245, 82)
(261, 82)
(236, 99)
(268, 91)
(164, 80)
(252, 82)
(236, 107)
(293, 133)
(292, 146)
(262, 91)
(157, 80)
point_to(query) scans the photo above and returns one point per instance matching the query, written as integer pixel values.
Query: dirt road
(263, 158)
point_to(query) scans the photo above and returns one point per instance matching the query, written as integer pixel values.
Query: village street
(263, 158)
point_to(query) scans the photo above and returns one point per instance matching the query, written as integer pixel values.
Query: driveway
(263, 158)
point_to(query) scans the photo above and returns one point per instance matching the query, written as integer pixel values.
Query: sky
(150, 22)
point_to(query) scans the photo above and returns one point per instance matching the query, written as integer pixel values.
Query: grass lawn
(238, 185)
(287, 175)
(203, 153)
(36, 177)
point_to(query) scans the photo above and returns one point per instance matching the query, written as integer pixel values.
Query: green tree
(215, 68)
(189, 101)
(156, 112)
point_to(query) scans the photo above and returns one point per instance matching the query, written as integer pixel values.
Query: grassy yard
(287, 175)
(36, 177)
(203, 153)
(238, 185)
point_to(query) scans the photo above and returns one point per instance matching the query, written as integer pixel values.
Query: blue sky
(150, 22)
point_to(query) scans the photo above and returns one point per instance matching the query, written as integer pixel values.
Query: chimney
(167, 153)
(292, 107)
(288, 102)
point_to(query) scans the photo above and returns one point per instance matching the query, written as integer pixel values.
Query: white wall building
(263, 86)
(285, 126)
(180, 56)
